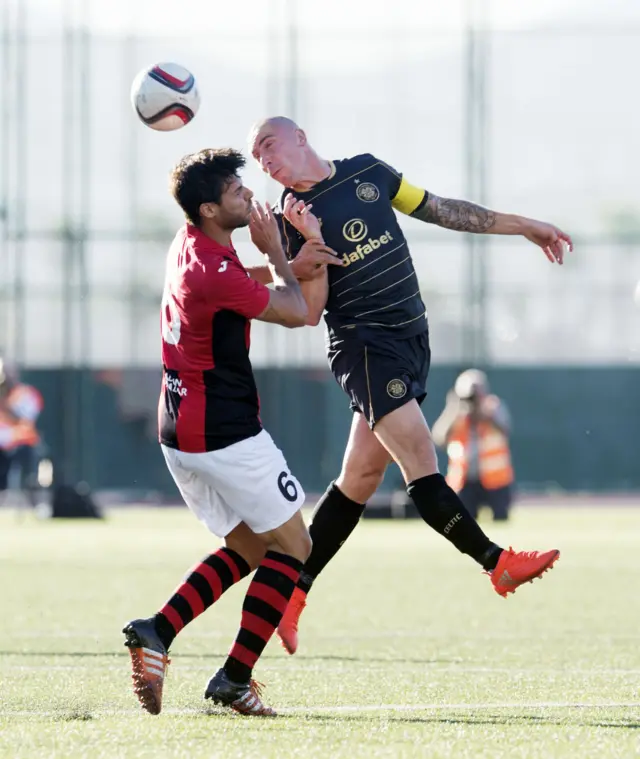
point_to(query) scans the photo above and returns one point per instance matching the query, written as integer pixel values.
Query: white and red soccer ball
(165, 96)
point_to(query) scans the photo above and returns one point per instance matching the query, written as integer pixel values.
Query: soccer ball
(165, 96)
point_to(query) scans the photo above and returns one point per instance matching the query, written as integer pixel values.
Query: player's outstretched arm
(465, 216)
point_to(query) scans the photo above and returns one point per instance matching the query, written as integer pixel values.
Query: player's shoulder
(360, 161)
(374, 176)
(372, 170)
(195, 258)
(206, 249)
(363, 161)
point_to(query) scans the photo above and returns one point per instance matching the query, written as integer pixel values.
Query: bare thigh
(405, 434)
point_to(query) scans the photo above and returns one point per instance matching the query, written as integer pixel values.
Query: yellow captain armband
(408, 197)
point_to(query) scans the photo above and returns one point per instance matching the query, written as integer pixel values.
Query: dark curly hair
(202, 177)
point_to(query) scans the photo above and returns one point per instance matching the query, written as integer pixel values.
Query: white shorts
(245, 482)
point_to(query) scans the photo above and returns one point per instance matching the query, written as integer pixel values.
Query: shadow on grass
(73, 715)
(470, 719)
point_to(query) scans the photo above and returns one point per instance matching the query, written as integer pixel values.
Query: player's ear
(208, 210)
(301, 138)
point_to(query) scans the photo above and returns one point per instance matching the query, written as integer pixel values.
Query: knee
(252, 551)
(421, 449)
(245, 542)
(359, 482)
(255, 557)
(418, 460)
(306, 544)
(298, 545)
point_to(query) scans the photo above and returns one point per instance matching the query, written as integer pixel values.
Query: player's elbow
(315, 312)
(313, 318)
(296, 321)
(298, 317)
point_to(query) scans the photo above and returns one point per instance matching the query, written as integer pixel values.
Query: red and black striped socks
(205, 584)
(262, 610)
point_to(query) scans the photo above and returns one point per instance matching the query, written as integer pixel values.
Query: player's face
(235, 205)
(280, 153)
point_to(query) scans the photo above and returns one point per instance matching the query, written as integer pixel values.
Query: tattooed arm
(464, 216)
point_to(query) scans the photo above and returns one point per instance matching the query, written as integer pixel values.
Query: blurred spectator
(474, 428)
(20, 407)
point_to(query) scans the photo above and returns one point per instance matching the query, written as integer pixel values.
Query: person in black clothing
(378, 339)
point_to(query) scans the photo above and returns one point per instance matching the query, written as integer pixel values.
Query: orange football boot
(288, 627)
(513, 569)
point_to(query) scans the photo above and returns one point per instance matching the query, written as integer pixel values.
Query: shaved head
(261, 130)
(275, 123)
(281, 148)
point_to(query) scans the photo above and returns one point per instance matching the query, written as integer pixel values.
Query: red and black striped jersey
(209, 398)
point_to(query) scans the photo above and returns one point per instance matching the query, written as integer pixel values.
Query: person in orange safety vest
(474, 429)
(20, 407)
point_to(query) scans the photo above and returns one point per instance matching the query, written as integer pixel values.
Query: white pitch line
(455, 707)
(68, 712)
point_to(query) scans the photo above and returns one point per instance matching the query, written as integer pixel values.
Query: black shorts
(383, 374)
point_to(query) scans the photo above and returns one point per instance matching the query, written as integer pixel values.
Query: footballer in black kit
(378, 340)
(377, 331)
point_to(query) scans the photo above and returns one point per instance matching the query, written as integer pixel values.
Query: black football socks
(442, 509)
(334, 519)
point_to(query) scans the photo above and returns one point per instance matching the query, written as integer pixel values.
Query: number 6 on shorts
(287, 487)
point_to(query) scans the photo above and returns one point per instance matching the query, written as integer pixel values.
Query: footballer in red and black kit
(229, 471)
(209, 398)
